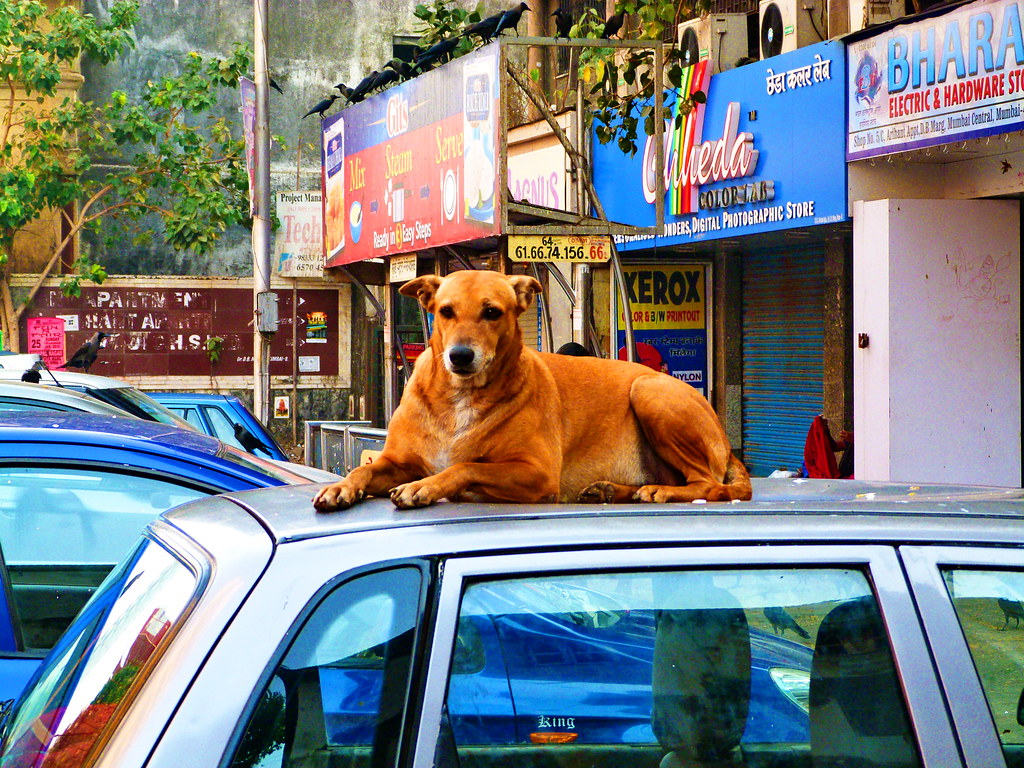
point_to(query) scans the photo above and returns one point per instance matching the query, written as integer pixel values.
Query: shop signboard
(765, 153)
(583, 249)
(668, 304)
(946, 78)
(415, 166)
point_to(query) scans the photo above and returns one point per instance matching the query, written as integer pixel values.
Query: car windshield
(140, 404)
(99, 663)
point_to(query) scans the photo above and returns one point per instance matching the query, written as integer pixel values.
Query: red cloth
(819, 450)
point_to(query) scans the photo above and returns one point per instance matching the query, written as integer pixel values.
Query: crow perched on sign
(563, 22)
(510, 19)
(613, 25)
(85, 355)
(322, 106)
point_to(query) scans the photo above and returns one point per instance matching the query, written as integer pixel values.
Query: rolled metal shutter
(783, 337)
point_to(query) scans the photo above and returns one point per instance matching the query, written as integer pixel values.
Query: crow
(435, 52)
(358, 93)
(484, 29)
(322, 106)
(510, 19)
(781, 621)
(613, 25)
(275, 86)
(1012, 609)
(85, 355)
(385, 77)
(563, 22)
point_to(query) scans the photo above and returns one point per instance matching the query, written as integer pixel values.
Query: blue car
(600, 659)
(75, 491)
(225, 417)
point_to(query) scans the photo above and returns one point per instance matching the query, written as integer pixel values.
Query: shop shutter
(783, 335)
(530, 321)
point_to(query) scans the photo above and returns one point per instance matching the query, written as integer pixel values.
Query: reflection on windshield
(139, 403)
(93, 668)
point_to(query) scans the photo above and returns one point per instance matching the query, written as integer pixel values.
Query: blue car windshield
(92, 674)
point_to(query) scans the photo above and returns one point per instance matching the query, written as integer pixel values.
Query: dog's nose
(461, 356)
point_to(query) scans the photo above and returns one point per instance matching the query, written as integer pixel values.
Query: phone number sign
(581, 248)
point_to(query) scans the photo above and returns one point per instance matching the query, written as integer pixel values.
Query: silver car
(825, 623)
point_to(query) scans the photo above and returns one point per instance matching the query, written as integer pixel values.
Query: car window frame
(956, 670)
(926, 706)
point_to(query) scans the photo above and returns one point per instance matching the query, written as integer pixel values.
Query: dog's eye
(447, 312)
(491, 313)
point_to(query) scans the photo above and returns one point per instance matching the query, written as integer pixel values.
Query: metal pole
(261, 218)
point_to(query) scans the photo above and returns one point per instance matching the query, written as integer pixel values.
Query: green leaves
(163, 151)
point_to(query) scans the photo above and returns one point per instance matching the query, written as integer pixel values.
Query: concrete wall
(937, 388)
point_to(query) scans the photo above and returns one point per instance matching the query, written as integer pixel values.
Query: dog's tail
(736, 483)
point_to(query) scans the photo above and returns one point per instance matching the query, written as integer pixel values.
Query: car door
(971, 604)
(679, 657)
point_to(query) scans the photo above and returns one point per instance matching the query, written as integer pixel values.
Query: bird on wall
(86, 354)
(613, 25)
(359, 91)
(425, 58)
(322, 106)
(510, 19)
(484, 29)
(563, 22)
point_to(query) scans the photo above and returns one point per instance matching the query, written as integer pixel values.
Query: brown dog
(484, 418)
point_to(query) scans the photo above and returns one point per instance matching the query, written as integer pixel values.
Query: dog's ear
(423, 289)
(526, 288)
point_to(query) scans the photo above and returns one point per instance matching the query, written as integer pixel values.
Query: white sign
(299, 246)
(309, 363)
(403, 268)
(70, 322)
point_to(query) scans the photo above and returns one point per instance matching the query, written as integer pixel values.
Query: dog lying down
(484, 418)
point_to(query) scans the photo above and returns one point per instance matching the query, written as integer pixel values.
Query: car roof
(192, 397)
(48, 394)
(781, 510)
(100, 428)
(67, 377)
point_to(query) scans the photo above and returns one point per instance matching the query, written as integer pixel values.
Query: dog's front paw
(597, 493)
(340, 495)
(413, 495)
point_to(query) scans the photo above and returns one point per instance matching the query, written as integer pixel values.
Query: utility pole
(264, 303)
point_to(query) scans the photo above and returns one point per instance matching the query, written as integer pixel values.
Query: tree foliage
(164, 151)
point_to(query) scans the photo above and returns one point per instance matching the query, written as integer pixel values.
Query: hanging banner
(248, 90)
(415, 166)
(942, 79)
(299, 244)
(670, 324)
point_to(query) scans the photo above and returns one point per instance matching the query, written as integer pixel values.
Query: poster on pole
(299, 243)
(46, 339)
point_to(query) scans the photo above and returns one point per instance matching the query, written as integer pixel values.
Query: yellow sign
(581, 248)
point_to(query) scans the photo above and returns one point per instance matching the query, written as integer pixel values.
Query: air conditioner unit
(867, 13)
(786, 25)
(720, 37)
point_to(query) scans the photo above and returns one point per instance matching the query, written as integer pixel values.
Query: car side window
(64, 528)
(990, 605)
(338, 696)
(223, 428)
(677, 668)
(191, 415)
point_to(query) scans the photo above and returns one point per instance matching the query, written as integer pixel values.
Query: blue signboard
(765, 153)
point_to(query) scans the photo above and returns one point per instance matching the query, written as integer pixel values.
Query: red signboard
(163, 331)
(415, 166)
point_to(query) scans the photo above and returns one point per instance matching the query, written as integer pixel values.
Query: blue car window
(990, 605)
(338, 696)
(756, 667)
(223, 428)
(63, 529)
(191, 415)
